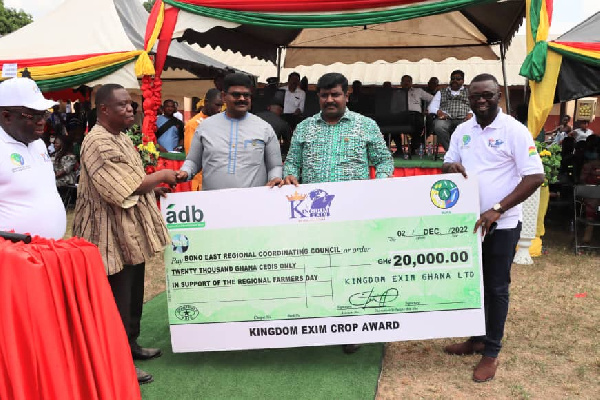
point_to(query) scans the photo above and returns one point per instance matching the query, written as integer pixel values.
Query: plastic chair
(581, 194)
(396, 121)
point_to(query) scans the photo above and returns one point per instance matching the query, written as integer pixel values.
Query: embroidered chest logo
(17, 159)
(466, 139)
(495, 143)
(19, 162)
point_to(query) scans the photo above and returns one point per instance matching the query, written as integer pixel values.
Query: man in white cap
(29, 200)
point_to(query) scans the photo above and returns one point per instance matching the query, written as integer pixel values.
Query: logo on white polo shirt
(46, 157)
(466, 139)
(19, 161)
(495, 143)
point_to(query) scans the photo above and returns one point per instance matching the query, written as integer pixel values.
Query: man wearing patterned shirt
(116, 210)
(337, 144)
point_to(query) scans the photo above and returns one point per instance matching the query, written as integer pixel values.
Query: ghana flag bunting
(317, 13)
(56, 73)
(545, 61)
(64, 49)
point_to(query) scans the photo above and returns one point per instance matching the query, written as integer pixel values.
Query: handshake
(167, 177)
(170, 177)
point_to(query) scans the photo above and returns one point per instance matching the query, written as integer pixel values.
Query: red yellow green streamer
(348, 16)
(541, 66)
(143, 65)
(56, 75)
(587, 53)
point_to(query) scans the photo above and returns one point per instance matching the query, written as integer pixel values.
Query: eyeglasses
(456, 78)
(485, 95)
(35, 117)
(239, 95)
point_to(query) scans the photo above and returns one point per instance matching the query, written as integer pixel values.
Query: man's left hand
(486, 220)
(276, 182)
(161, 191)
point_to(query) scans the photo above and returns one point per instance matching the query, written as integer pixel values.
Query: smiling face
(483, 99)
(333, 103)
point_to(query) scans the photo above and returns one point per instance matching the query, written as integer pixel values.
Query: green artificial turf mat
(322, 372)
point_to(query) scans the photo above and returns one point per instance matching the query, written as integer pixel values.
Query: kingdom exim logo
(189, 217)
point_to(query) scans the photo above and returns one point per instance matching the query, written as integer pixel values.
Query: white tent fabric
(99, 26)
(378, 72)
(75, 27)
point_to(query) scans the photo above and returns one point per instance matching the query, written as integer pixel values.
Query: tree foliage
(149, 4)
(11, 19)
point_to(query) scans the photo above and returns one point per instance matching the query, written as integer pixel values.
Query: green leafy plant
(148, 152)
(551, 159)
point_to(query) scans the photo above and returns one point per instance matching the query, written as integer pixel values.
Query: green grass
(296, 373)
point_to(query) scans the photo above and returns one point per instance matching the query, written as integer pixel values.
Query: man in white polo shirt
(29, 201)
(293, 101)
(499, 152)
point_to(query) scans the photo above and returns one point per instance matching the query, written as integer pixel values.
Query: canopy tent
(92, 42)
(364, 30)
(398, 29)
(563, 69)
(378, 72)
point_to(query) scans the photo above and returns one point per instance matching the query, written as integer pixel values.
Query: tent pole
(506, 91)
(279, 64)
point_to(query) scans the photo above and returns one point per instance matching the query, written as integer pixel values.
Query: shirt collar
(496, 123)
(227, 117)
(348, 116)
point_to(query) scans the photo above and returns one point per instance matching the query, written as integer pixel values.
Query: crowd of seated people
(391, 107)
(577, 148)
(580, 164)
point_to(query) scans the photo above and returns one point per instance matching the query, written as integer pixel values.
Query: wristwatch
(498, 208)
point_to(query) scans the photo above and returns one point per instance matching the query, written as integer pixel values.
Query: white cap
(23, 92)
